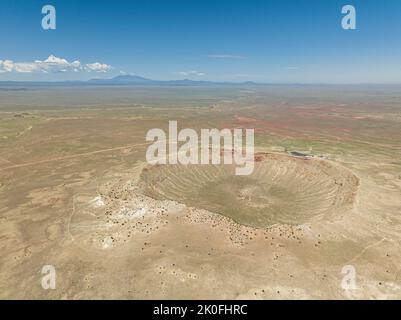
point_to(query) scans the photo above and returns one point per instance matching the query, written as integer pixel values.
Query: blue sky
(280, 41)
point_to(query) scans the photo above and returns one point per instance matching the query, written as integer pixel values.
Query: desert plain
(77, 193)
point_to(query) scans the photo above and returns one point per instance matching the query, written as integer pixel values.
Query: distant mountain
(125, 80)
(138, 80)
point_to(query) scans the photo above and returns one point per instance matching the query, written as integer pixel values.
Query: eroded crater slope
(282, 189)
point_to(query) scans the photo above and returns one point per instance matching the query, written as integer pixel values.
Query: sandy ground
(73, 195)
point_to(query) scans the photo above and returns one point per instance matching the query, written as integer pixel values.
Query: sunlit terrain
(76, 192)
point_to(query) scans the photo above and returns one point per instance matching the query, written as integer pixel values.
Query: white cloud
(98, 67)
(6, 65)
(292, 68)
(52, 64)
(226, 56)
(246, 75)
(190, 73)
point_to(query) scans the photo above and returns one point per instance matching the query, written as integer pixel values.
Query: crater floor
(281, 189)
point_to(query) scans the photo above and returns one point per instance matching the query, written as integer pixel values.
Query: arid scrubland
(76, 193)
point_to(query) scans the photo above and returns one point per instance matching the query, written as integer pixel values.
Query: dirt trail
(14, 166)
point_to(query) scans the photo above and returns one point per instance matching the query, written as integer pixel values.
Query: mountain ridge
(126, 80)
(135, 79)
